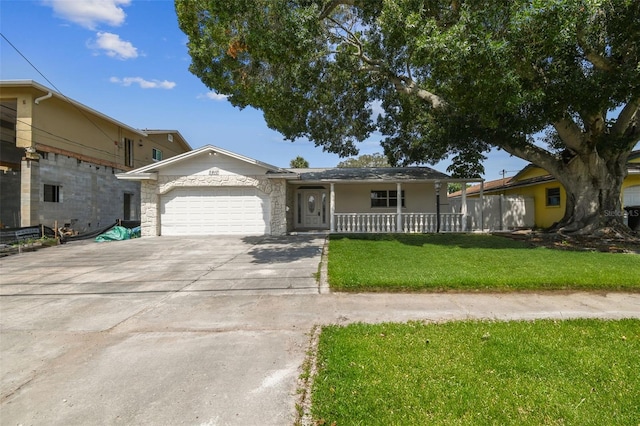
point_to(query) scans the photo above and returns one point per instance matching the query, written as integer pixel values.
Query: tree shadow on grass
(468, 241)
(284, 249)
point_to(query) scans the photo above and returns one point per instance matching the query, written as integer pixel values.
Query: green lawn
(575, 372)
(437, 262)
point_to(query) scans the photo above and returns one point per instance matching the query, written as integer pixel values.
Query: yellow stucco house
(548, 195)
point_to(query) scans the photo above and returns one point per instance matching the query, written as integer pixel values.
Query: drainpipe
(42, 98)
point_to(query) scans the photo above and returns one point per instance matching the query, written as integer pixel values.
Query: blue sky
(128, 60)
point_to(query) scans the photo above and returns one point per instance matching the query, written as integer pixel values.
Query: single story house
(212, 191)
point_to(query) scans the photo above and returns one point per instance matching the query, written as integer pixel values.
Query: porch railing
(428, 222)
(365, 222)
(387, 222)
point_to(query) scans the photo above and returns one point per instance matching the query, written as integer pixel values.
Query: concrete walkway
(198, 331)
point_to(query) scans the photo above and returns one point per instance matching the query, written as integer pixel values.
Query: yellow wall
(545, 216)
(58, 126)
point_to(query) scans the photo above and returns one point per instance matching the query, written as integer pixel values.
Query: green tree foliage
(454, 78)
(365, 160)
(299, 163)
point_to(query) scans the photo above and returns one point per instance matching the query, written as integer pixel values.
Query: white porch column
(482, 206)
(463, 207)
(399, 208)
(332, 208)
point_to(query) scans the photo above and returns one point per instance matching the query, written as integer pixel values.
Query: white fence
(388, 222)
(497, 212)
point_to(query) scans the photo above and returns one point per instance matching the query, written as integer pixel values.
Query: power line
(62, 138)
(58, 90)
(29, 62)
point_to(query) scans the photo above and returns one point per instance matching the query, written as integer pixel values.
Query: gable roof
(146, 171)
(44, 89)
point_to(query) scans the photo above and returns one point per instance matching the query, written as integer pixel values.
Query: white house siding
(356, 198)
(212, 165)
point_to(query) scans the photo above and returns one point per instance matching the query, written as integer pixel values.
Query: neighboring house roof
(391, 174)
(147, 172)
(169, 132)
(45, 90)
(516, 181)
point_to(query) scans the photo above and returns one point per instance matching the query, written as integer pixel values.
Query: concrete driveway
(197, 331)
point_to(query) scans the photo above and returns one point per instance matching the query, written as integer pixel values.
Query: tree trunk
(592, 184)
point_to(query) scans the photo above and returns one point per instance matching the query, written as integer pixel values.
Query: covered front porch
(374, 200)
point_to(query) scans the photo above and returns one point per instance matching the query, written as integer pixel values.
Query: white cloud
(113, 46)
(214, 96)
(144, 84)
(90, 13)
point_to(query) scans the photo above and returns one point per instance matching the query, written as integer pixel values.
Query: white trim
(205, 149)
(399, 206)
(139, 176)
(332, 208)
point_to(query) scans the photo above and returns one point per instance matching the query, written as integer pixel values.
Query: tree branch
(629, 116)
(534, 154)
(332, 5)
(401, 83)
(598, 61)
(409, 87)
(570, 133)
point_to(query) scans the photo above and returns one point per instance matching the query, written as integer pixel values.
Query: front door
(313, 208)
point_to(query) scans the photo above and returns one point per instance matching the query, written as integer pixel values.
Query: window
(157, 155)
(385, 198)
(128, 152)
(553, 197)
(51, 193)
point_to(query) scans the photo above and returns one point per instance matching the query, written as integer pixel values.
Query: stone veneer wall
(153, 190)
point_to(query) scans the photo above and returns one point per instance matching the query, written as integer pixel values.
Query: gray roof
(391, 174)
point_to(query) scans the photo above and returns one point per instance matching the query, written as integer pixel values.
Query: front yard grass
(468, 262)
(479, 372)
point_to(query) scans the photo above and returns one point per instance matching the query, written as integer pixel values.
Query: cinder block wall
(90, 195)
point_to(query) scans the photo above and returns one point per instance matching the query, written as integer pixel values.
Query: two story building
(59, 160)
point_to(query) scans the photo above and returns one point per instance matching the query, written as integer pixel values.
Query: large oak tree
(454, 78)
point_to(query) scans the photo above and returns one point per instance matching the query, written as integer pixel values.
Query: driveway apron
(197, 331)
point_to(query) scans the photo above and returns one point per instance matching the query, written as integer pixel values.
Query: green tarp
(119, 233)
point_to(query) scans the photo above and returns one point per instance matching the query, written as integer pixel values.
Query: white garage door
(215, 211)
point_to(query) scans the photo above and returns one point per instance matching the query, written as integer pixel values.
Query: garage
(215, 211)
